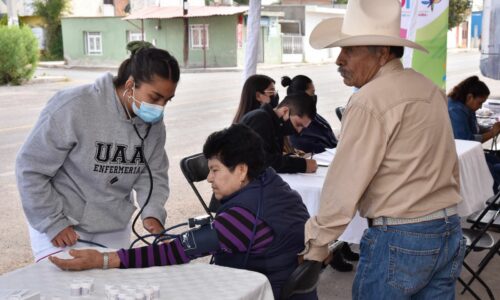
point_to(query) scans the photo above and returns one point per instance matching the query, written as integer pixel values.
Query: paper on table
(324, 158)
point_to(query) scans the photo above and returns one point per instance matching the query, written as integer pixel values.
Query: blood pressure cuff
(200, 241)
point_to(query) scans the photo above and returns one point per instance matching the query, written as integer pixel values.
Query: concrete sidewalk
(62, 65)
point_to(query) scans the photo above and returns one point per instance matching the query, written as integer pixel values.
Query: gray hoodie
(82, 160)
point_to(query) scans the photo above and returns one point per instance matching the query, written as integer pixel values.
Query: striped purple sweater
(234, 231)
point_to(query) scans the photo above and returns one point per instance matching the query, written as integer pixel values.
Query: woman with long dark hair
(91, 147)
(463, 102)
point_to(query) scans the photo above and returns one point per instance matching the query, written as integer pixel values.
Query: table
(190, 281)
(476, 181)
(475, 185)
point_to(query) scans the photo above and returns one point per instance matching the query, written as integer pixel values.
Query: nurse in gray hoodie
(91, 147)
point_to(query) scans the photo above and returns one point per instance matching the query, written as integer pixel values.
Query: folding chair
(339, 111)
(478, 239)
(195, 169)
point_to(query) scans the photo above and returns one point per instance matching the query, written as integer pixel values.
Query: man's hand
(67, 237)
(152, 225)
(85, 260)
(311, 166)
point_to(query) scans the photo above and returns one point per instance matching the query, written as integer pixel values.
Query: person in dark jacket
(290, 117)
(259, 226)
(258, 90)
(319, 134)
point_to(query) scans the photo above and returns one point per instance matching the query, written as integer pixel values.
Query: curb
(47, 79)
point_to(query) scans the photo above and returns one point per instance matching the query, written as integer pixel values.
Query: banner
(426, 23)
(490, 41)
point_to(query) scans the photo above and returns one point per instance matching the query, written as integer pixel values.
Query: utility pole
(186, 32)
(12, 13)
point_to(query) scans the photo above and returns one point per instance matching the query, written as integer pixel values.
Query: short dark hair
(144, 62)
(248, 101)
(471, 85)
(298, 84)
(300, 104)
(235, 145)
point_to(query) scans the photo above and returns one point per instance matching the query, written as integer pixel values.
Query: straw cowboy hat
(366, 23)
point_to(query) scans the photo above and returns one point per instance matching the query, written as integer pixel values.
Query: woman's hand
(82, 260)
(67, 237)
(152, 225)
(496, 128)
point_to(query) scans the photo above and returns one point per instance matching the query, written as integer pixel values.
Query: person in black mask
(291, 115)
(257, 90)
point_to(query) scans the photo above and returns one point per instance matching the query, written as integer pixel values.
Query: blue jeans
(411, 261)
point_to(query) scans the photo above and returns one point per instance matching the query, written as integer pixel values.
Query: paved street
(204, 102)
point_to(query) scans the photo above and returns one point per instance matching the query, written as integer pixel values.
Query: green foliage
(340, 1)
(459, 10)
(18, 54)
(4, 20)
(51, 11)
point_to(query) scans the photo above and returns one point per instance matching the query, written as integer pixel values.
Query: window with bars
(93, 43)
(199, 35)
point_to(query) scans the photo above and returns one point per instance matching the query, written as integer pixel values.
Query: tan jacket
(396, 157)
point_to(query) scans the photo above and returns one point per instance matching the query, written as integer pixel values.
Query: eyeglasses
(270, 92)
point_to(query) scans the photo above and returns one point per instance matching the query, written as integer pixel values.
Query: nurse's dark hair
(471, 85)
(144, 62)
(235, 145)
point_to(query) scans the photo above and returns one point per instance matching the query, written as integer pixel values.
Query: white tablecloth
(475, 185)
(476, 182)
(191, 281)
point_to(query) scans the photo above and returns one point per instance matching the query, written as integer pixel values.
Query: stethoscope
(142, 138)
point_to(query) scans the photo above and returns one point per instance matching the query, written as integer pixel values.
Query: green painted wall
(222, 50)
(114, 39)
(167, 34)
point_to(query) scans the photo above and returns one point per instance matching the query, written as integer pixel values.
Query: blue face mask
(149, 113)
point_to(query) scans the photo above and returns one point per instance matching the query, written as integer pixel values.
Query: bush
(18, 54)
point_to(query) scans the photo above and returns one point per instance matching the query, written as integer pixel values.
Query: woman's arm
(37, 162)
(233, 230)
(495, 129)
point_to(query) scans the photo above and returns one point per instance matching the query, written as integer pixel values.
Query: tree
(51, 11)
(18, 54)
(459, 10)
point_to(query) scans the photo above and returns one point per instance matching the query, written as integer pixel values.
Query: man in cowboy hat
(395, 163)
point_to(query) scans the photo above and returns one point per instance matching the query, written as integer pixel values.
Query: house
(216, 36)
(296, 26)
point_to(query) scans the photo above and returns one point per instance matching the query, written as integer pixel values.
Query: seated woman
(259, 225)
(257, 90)
(463, 102)
(319, 134)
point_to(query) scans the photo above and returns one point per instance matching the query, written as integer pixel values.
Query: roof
(155, 12)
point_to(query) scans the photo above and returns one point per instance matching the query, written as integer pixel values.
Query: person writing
(463, 102)
(395, 163)
(290, 117)
(91, 147)
(319, 135)
(259, 225)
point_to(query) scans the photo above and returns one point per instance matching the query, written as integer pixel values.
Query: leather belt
(438, 214)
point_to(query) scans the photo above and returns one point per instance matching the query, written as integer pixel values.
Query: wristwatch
(105, 261)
